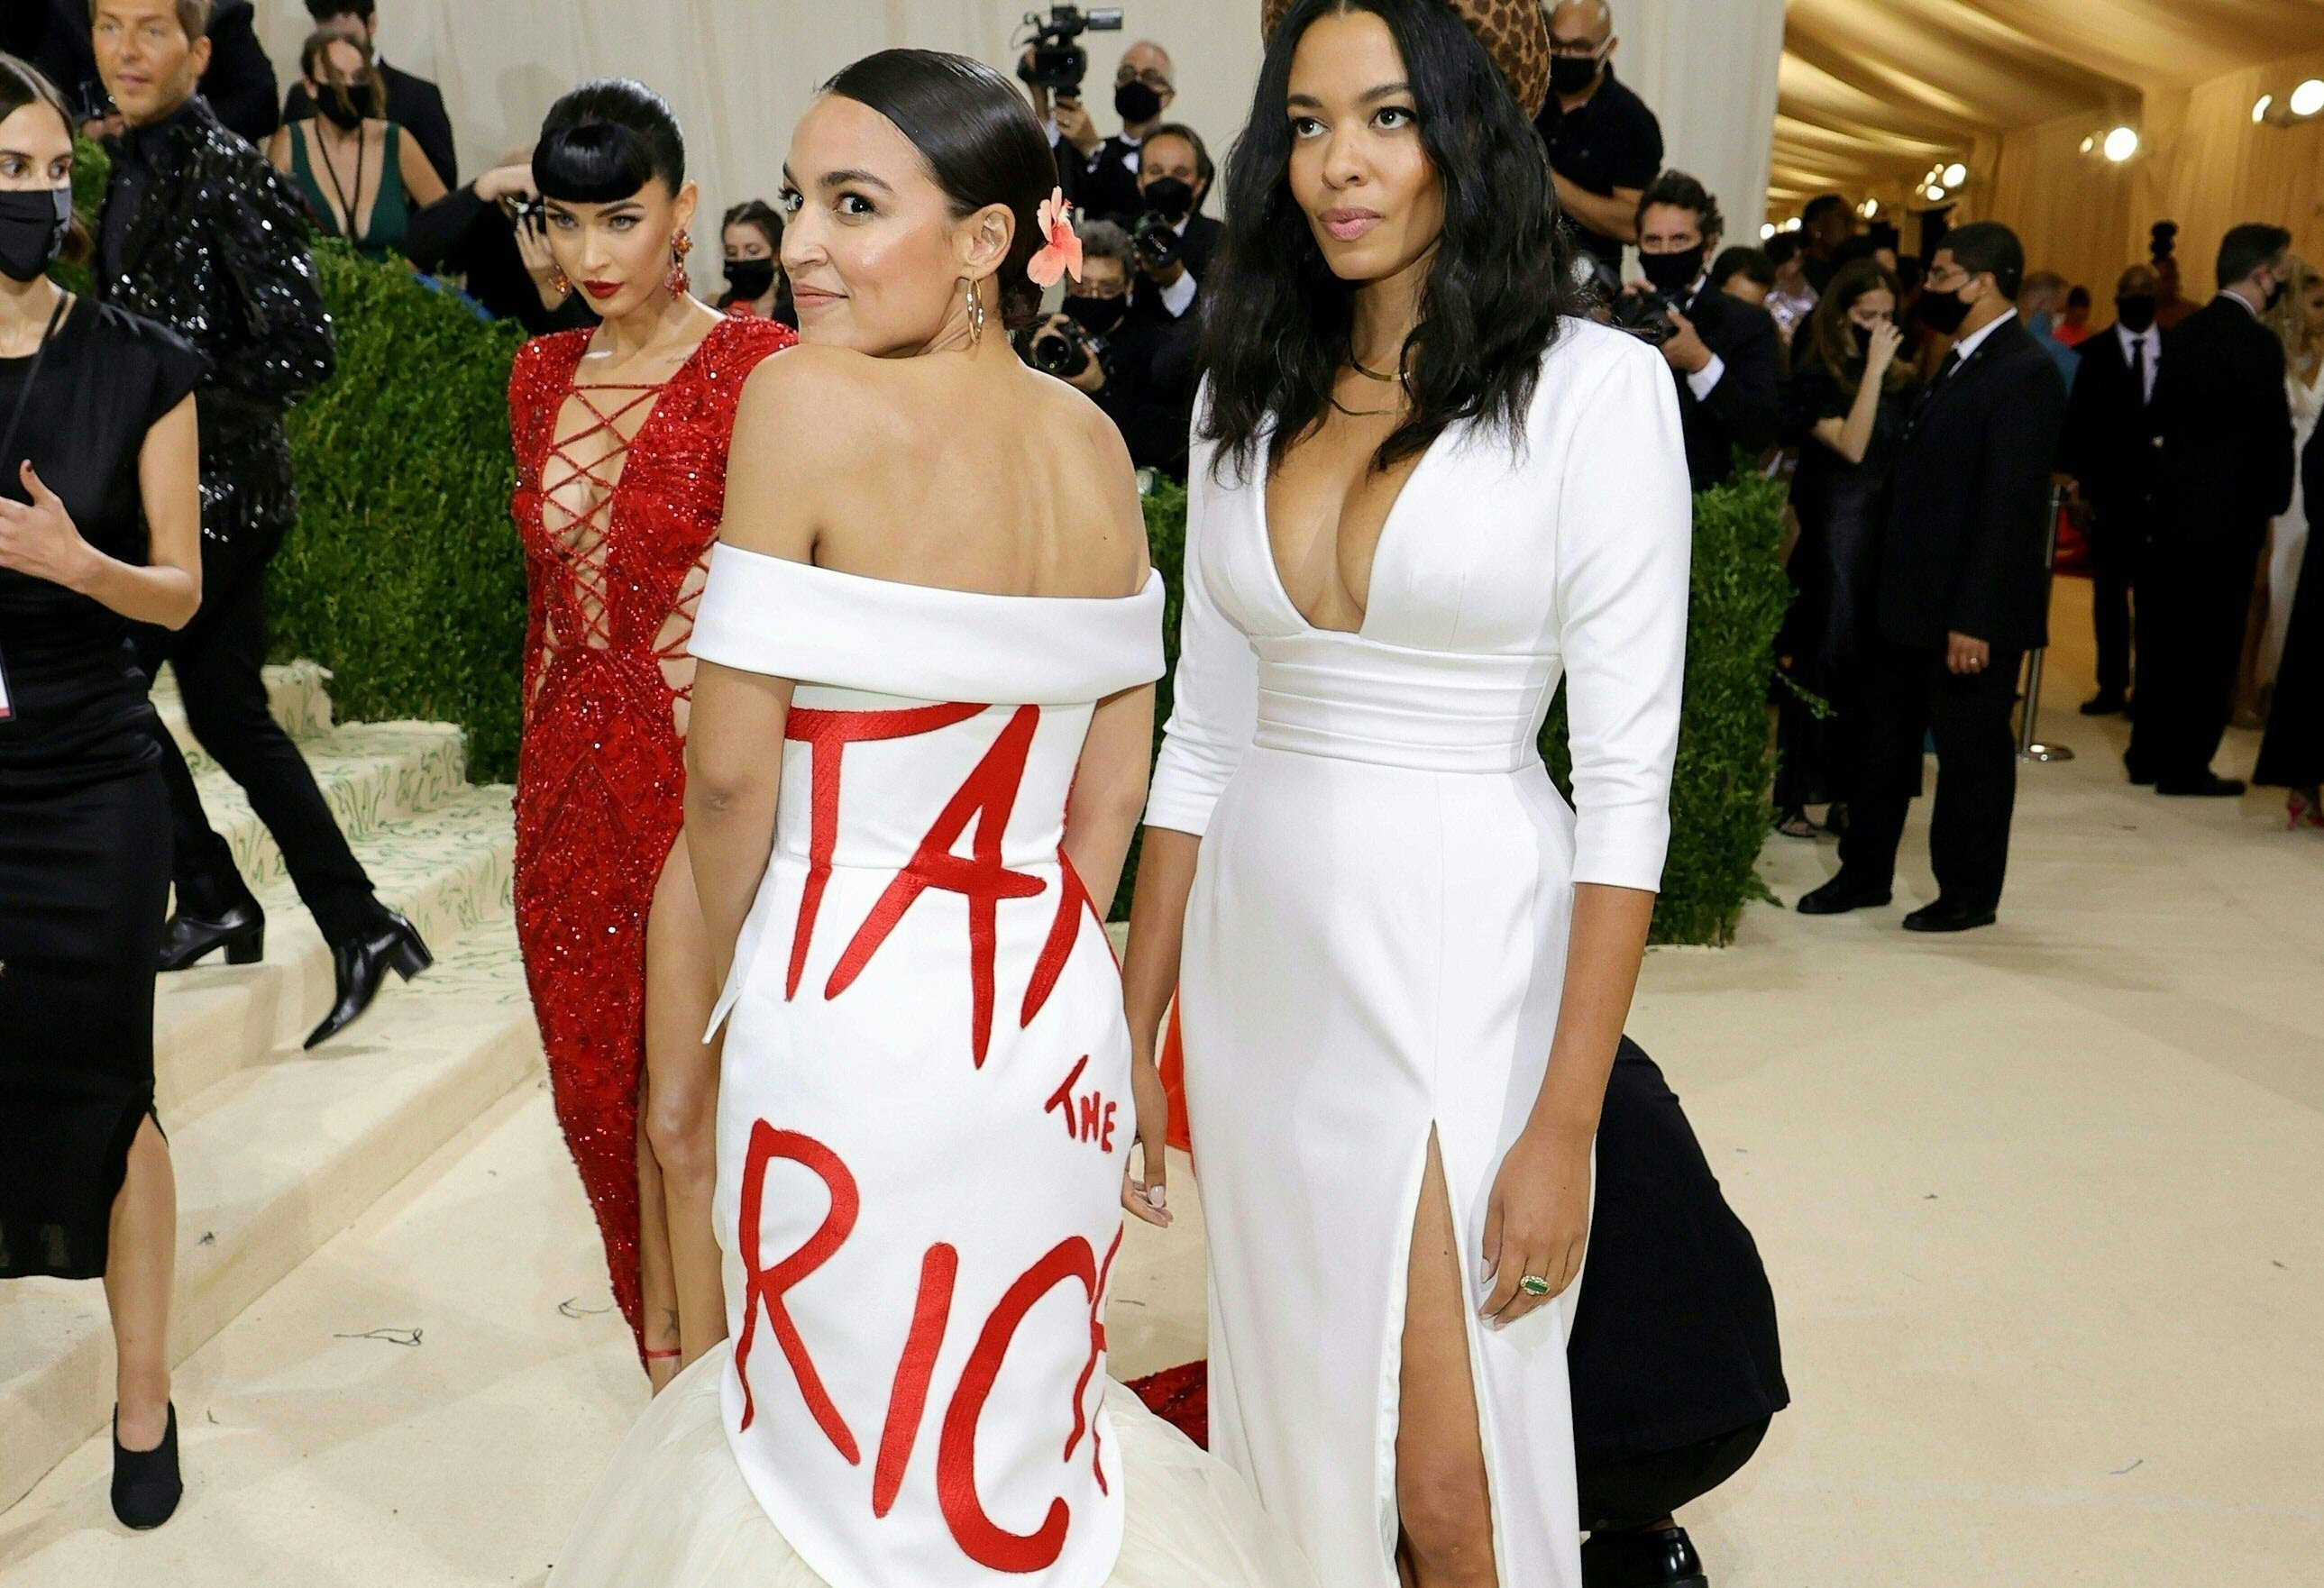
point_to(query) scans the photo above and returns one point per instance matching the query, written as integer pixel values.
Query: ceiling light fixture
(2259, 111)
(1936, 196)
(2122, 141)
(2309, 97)
(1767, 230)
(1955, 174)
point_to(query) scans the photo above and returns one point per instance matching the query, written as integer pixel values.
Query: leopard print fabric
(1514, 33)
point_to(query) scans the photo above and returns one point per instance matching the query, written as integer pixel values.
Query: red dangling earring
(679, 281)
(558, 282)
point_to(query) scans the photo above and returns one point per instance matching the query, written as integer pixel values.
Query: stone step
(372, 774)
(447, 869)
(297, 693)
(283, 1156)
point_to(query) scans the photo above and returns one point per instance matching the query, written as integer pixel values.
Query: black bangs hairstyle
(1277, 329)
(604, 141)
(980, 140)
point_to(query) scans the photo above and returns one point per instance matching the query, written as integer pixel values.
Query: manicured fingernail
(1159, 1196)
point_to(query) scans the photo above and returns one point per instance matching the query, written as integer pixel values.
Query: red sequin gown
(617, 514)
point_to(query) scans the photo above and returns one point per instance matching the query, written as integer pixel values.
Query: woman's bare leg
(140, 1271)
(1441, 1488)
(656, 1286)
(681, 1114)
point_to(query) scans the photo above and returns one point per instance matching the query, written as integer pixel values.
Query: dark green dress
(388, 233)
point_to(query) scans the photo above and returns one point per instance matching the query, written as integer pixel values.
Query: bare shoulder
(1112, 479)
(831, 401)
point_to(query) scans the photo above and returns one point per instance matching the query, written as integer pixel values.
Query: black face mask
(1170, 198)
(1673, 273)
(347, 105)
(1941, 312)
(1570, 75)
(1135, 103)
(750, 279)
(2136, 310)
(1097, 316)
(33, 227)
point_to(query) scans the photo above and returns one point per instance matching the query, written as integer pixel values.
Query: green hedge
(404, 576)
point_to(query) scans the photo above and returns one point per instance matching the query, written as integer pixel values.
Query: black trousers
(1639, 1491)
(217, 658)
(1910, 697)
(2196, 601)
(2116, 537)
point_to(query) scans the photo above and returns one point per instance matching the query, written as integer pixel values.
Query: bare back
(961, 471)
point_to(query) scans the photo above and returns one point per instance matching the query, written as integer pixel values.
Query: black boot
(221, 916)
(363, 961)
(1645, 1557)
(146, 1487)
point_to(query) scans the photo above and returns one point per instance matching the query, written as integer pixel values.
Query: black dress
(2291, 755)
(1839, 506)
(84, 817)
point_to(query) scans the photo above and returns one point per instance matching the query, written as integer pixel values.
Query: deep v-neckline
(1282, 587)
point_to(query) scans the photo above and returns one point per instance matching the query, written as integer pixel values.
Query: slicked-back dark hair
(20, 84)
(1278, 323)
(1983, 246)
(2248, 247)
(604, 141)
(980, 140)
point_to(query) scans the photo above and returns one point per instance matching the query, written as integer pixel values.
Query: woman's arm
(1852, 438)
(41, 540)
(278, 146)
(1109, 791)
(420, 177)
(1624, 528)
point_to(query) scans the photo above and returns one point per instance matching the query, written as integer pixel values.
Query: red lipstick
(601, 288)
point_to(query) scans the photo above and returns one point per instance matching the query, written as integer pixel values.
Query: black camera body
(1645, 314)
(1058, 63)
(1156, 237)
(1060, 346)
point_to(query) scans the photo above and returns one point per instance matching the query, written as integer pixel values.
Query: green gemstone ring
(1533, 1284)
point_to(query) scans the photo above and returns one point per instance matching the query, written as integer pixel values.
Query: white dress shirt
(2151, 339)
(1970, 343)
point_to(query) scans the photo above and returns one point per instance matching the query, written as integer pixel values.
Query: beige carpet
(2044, 1207)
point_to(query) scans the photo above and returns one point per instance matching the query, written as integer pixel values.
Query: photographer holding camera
(1173, 238)
(1100, 175)
(1722, 349)
(1138, 368)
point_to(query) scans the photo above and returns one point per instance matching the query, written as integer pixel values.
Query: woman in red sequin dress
(621, 437)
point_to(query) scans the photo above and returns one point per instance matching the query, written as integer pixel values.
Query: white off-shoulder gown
(1377, 936)
(923, 1117)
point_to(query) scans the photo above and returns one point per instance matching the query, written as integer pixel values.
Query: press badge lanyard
(8, 440)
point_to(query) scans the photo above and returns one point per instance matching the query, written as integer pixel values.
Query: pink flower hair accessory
(1061, 254)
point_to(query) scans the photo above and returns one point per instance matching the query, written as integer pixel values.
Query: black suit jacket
(239, 84)
(1745, 409)
(1965, 548)
(413, 103)
(2226, 422)
(2109, 444)
(1102, 186)
(1198, 244)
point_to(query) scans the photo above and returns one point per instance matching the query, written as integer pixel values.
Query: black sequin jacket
(217, 251)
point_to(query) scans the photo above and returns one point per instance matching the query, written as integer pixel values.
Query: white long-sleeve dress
(924, 1110)
(2288, 541)
(1377, 936)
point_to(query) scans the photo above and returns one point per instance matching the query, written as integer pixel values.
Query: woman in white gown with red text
(922, 718)
(1420, 497)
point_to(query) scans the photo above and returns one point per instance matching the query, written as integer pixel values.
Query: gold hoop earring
(975, 313)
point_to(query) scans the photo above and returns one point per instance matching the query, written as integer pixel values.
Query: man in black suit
(1723, 352)
(2226, 422)
(238, 83)
(2109, 448)
(1176, 238)
(1100, 175)
(1963, 586)
(413, 103)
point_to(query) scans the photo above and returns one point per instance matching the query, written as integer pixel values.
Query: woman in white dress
(2299, 319)
(1421, 495)
(921, 723)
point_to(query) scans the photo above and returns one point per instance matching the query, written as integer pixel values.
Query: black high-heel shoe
(362, 963)
(146, 1483)
(240, 931)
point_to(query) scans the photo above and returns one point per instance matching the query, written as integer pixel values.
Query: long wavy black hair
(1278, 321)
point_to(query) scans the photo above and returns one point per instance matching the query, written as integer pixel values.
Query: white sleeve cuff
(1704, 380)
(1179, 296)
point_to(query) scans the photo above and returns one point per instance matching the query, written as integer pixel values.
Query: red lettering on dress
(987, 797)
(908, 1401)
(1089, 1369)
(1064, 931)
(1061, 1101)
(827, 735)
(1105, 1142)
(767, 1287)
(979, 1538)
